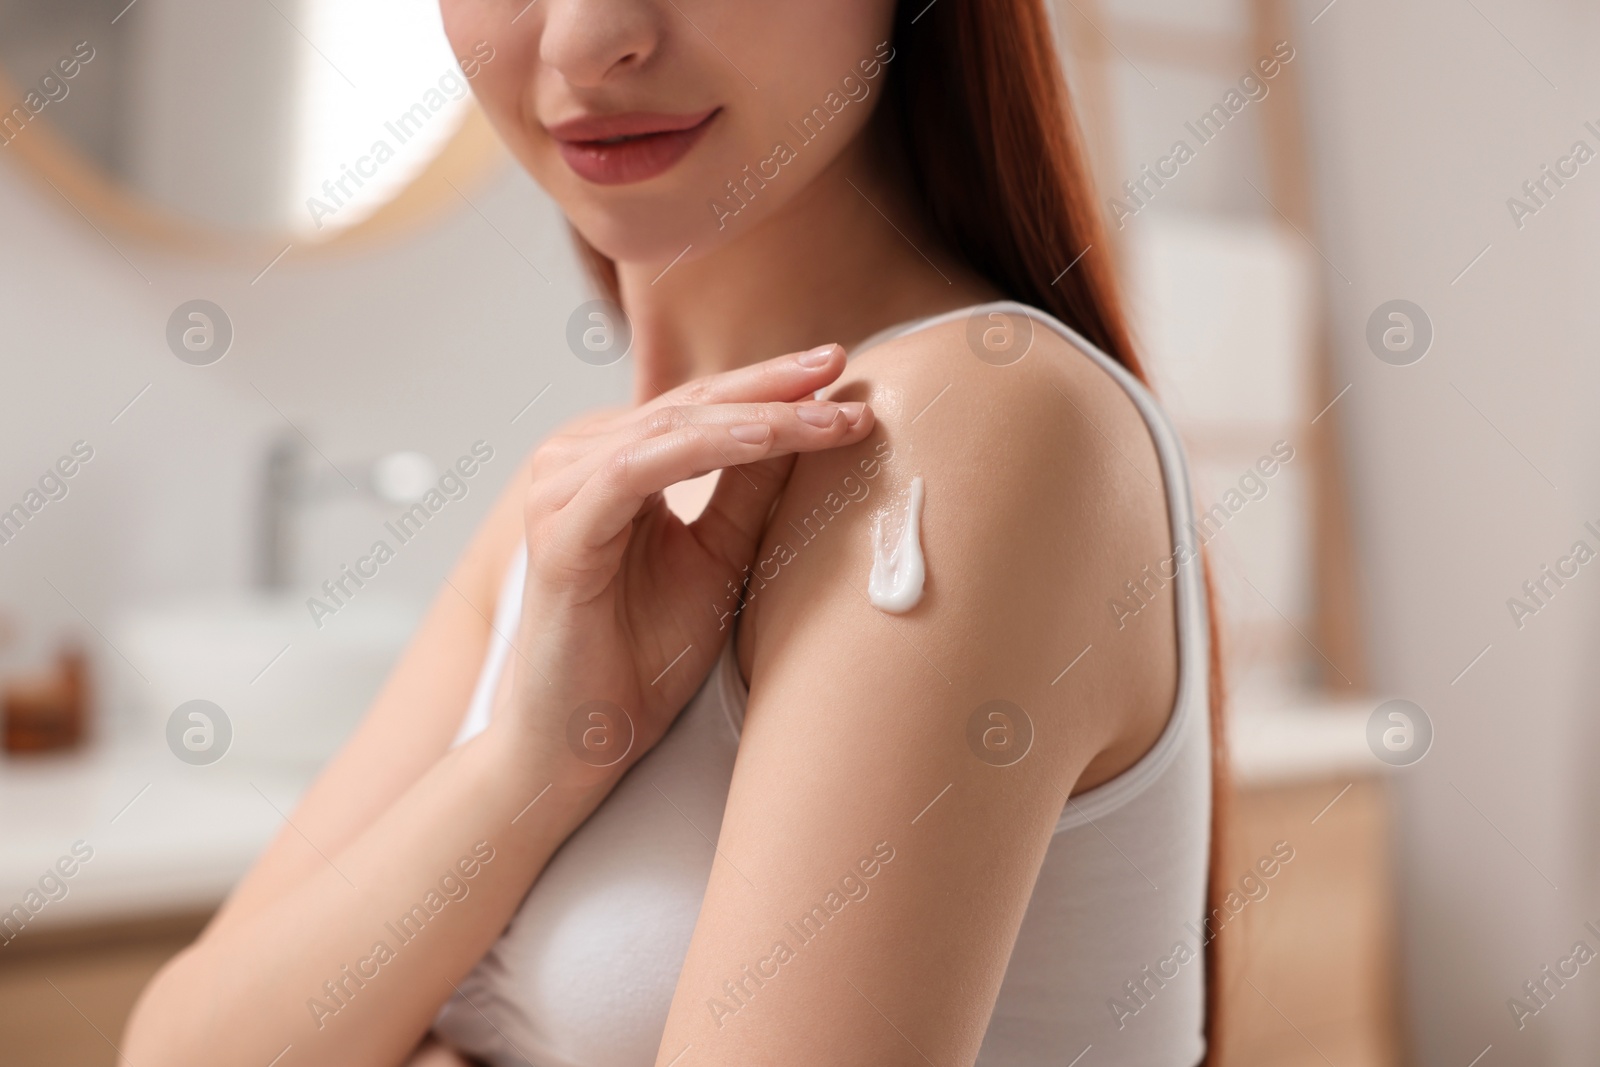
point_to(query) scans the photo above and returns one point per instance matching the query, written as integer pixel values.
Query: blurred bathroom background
(226, 364)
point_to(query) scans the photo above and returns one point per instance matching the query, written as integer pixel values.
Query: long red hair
(977, 96)
(996, 155)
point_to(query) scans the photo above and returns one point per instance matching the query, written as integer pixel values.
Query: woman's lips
(631, 147)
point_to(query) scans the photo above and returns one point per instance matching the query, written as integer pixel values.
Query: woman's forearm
(350, 967)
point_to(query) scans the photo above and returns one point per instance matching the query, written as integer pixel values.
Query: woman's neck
(845, 257)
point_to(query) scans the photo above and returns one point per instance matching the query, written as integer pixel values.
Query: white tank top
(1110, 953)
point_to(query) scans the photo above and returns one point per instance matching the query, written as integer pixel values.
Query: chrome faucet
(289, 479)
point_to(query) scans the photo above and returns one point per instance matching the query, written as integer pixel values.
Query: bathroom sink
(291, 692)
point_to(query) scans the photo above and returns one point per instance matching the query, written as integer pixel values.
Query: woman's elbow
(164, 1026)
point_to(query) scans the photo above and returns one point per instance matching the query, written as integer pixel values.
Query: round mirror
(289, 119)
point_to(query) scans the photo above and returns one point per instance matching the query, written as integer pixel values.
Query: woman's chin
(653, 239)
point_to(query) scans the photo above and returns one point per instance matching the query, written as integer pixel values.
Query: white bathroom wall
(223, 154)
(429, 342)
(1472, 469)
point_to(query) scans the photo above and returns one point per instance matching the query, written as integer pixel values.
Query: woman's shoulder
(1010, 375)
(1043, 494)
(1043, 430)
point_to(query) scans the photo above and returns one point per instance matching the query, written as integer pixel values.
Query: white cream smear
(898, 570)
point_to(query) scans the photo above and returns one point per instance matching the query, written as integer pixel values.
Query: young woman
(891, 748)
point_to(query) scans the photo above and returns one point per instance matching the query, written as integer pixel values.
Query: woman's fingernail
(751, 433)
(815, 358)
(818, 414)
(853, 411)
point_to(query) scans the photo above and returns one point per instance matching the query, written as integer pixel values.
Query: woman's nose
(588, 40)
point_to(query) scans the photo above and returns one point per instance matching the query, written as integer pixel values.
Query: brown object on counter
(46, 712)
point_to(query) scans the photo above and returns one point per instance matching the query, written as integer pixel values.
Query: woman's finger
(731, 526)
(787, 378)
(611, 498)
(784, 378)
(574, 439)
(806, 421)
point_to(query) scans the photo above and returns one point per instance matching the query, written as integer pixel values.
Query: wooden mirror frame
(471, 155)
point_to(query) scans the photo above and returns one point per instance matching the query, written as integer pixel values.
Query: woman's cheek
(465, 22)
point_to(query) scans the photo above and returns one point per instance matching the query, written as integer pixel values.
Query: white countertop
(169, 838)
(166, 837)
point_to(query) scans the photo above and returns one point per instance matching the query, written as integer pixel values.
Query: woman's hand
(626, 606)
(617, 588)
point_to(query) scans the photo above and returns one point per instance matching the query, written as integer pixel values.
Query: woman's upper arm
(876, 858)
(411, 721)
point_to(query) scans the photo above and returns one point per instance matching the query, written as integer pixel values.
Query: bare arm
(856, 790)
(403, 865)
(406, 908)
(410, 724)
(390, 818)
